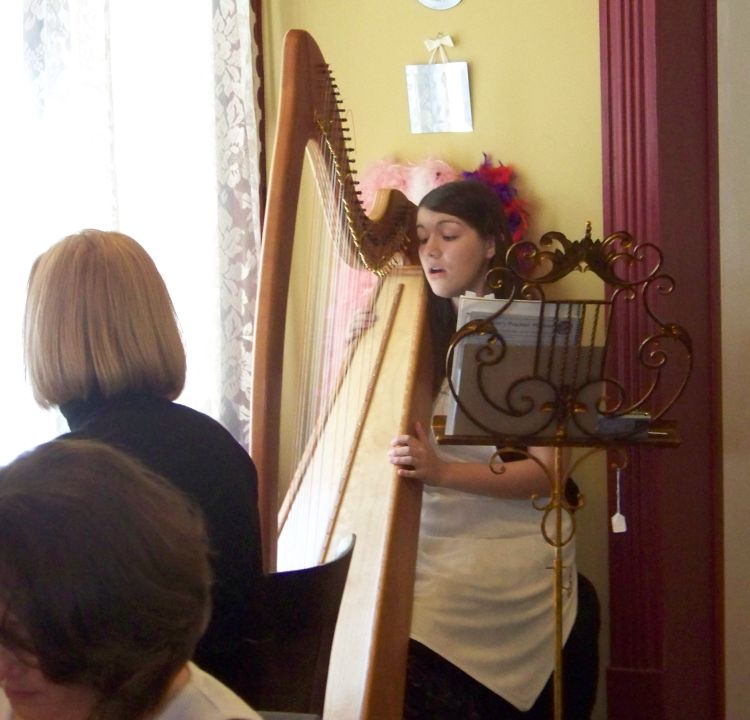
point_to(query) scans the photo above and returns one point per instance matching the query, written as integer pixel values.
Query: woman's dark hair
(104, 573)
(479, 207)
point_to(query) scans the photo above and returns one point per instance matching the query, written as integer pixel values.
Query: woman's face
(33, 697)
(455, 257)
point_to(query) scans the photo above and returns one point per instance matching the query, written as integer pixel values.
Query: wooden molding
(659, 106)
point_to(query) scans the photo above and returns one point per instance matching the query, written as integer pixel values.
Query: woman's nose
(431, 247)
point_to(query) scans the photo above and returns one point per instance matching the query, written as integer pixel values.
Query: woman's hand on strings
(415, 457)
(360, 322)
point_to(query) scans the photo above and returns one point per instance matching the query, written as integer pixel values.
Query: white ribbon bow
(437, 46)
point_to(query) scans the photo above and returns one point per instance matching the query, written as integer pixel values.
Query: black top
(201, 458)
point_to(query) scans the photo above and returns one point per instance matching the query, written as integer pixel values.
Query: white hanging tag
(619, 524)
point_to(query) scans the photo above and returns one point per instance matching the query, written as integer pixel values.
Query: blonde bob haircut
(99, 319)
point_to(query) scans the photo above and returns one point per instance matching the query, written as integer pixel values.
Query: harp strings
(336, 362)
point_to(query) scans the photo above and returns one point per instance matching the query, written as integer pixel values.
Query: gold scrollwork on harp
(378, 245)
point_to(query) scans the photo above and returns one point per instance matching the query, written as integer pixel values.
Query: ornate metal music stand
(554, 387)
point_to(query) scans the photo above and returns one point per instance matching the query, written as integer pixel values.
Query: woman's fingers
(408, 453)
(404, 451)
(401, 456)
(400, 440)
(361, 321)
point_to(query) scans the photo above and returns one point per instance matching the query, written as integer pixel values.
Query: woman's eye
(449, 237)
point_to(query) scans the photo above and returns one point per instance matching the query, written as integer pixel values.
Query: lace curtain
(139, 117)
(238, 176)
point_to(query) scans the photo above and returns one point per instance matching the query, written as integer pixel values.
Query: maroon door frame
(659, 112)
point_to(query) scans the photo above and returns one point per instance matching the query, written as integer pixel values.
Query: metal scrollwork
(618, 260)
(565, 393)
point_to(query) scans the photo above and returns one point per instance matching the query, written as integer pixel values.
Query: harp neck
(311, 118)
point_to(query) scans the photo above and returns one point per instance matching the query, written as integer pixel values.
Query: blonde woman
(102, 344)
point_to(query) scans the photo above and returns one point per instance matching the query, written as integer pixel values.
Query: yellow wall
(534, 76)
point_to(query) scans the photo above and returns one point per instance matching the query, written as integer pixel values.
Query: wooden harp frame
(368, 660)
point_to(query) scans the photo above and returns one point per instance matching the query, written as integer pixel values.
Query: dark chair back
(286, 670)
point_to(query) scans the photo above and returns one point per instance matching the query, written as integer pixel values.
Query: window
(110, 119)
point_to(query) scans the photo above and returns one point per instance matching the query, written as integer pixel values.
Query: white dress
(483, 597)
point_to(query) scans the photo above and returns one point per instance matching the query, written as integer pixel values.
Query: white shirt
(202, 698)
(483, 597)
(205, 698)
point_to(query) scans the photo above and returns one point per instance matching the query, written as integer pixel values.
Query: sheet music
(520, 322)
(543, 342)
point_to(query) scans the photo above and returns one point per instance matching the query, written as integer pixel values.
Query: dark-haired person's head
(104, 584)
(463, 233)
(476, 204)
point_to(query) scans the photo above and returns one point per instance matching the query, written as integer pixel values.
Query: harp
(336, 479)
